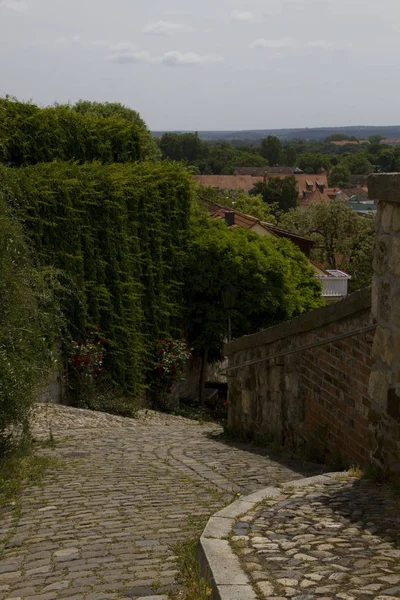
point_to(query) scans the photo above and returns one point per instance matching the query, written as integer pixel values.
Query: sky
(209, 64)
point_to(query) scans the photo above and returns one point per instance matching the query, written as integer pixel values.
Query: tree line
(222, 158)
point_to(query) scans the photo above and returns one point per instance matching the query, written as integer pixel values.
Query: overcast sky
(209, 64)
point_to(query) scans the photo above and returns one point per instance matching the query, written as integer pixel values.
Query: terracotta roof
(390, 141)
(228, 182)
(316, 197)
(344, 143)
(253, 171)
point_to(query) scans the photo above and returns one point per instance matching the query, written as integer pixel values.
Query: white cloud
(176, 59)
(274, 44)
(129, 58)
(164, 28)
(18, 5)
(171, 59)
(238, 15)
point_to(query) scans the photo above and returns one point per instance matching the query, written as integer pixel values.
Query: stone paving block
(124, 495)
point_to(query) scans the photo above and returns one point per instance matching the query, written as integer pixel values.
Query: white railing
(335, 285)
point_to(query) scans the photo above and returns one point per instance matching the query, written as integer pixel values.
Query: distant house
(362, 205)
(228, 182)
(334, 283)
(349, 142)
(306, 184)
(390, 142)
(262, 171)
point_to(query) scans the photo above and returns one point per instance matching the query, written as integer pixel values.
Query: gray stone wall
(385, 377)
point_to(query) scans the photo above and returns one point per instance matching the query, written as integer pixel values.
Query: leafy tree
(31, 135)
(273, 279)
(244, 159)
(291, 156)
(340, 176)
(271, 149)
(343, 238)
(182, 146)
(281, 191)
(357, 163)
(312, 162)
(375, 139)
(240, 201)
(339, 137)
(29, 323)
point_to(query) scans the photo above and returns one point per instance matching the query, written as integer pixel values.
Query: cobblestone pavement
(334, 540)
(102, 524)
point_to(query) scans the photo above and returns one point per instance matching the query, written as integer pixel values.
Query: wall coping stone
(313, 319)
(384, 187)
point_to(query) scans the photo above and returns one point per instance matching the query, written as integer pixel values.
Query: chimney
(230, 218)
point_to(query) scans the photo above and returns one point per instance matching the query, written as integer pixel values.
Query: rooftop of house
(261, 171)
(228, 182)
(390, 141)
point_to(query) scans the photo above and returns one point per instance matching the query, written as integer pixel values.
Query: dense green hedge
(84, 132)
(118, 234)
(29, 323)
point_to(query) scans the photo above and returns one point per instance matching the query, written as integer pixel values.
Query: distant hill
(312, 134)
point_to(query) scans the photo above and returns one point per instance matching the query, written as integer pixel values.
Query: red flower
(95, 370)
(103, 369)
(76, 357)
(86, 361)
(80, 342)
(226, 403)
(101, 341)
(77, 363)
(89, 334)
(99, 357)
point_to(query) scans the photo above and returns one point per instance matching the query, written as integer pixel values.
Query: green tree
(278, 191)
(375, 139)
(357, 163)
(182, 147)
(312, 162)
(291, 156)
(240, 201)
(29, 323)
(343, 238)
(273, 279)
(339, 137)
(271, 149)
(340, 176)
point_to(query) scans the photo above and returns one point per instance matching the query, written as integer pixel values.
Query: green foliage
(276, 191)
(313, 162)
(89, 131)
(340, 176)
(273, 278)
(240, 201)
(29, 322)
(357, 163)
(339, 137)
(185, 147)
(271, 149)
(117, 234)
(343, 239)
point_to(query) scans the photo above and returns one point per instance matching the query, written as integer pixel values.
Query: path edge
(219, 565)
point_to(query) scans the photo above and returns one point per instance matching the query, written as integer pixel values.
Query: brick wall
(315, 398)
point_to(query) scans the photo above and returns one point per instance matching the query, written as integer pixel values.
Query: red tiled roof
(390, 141)
(228, 182)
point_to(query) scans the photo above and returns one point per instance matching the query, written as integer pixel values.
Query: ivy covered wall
(117, 235)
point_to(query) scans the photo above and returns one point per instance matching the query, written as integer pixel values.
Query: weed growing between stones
(189, 577)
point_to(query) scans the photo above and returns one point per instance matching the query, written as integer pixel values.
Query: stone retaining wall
(316, 398)
(385, 378)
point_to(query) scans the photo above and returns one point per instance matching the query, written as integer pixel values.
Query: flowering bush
(171, 358)
(87, 358)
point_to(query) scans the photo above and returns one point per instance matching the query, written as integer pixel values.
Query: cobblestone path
(339, 539)
(102, 524)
